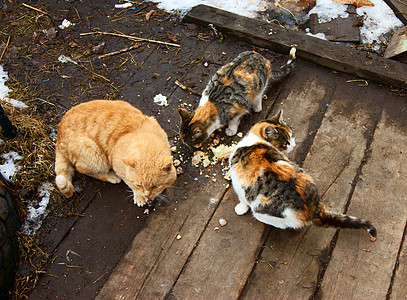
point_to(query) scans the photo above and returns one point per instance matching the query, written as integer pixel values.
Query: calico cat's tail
(64, 171)
(327, 218)
(285, 69)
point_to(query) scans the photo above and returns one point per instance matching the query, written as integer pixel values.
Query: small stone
(222, 222)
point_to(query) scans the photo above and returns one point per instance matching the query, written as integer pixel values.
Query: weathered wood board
(338, 57)
(291, 262)
(339, 29)
(358, 268)
(400, 9)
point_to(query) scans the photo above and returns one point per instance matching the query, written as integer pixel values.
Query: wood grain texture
(360, 269)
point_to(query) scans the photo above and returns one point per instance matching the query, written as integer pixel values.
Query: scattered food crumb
(180, 171)
(146, 211)
(160, 100)
(176, 162)
(222, 222)
(216, 228)
(65, 24)
(366, 250)
(174, 148)
(179, 237)
(123, 5)
(373, 239)
(283, 262)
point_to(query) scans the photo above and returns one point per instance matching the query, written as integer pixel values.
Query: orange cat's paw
(113, 178)
(139, 200)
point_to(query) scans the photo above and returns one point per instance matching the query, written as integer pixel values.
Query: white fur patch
(247, 141)
(213, 127)
(288, 221)
(204, 99)
(291, 146)
(61, 182)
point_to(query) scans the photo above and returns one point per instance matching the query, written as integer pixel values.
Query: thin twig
(133, 38)
(119, 51)
(48, 15)
(182, 86)
(4, 50)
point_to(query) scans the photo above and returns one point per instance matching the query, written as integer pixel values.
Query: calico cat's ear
(279, 116)
(167, 163)
(196, 133)
(185, 115)
(270, 132)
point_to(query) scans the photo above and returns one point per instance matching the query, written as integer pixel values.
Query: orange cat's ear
(130, 161)
(269, 132)
(167, 163)
(185, 115)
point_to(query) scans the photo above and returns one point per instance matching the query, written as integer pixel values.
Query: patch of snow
(379, 20)
(4, 91)
(66, 24)
(123, 5)
(9, 168)
(247, 8)
(328, 10)
(38, 211)
(319, 35)
(160, 100)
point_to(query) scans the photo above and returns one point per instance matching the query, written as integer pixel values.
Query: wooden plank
(400, 9)
(292, 260)
(228, 255)
(338, 57)
(338, 29)
(225, 255)
(380, 194)
(399, 288)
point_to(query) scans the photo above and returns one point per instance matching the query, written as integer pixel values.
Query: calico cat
(278, 192)
(114, 141)
(234, 90)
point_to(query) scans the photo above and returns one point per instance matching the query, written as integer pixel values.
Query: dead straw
(133, 38)
(4, 50)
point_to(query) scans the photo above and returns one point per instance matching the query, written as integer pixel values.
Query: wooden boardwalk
(351, 137)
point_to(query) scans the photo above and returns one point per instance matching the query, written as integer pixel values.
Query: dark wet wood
(400, 9)
(339, 29)
(338, 57)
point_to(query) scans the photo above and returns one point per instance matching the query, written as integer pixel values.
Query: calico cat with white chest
(234, 90)
(277, 191)
(114, 141)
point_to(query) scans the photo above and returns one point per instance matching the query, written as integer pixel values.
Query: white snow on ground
(38, 211)
(9, 168)
(379, 19)
(328, 10)
(4, 90)
(246, 8)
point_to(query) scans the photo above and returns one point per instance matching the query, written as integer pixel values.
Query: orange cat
(110, 141)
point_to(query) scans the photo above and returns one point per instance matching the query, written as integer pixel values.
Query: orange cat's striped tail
(64, 171)
(327, 218)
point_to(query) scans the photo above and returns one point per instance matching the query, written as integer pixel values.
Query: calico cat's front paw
(139, 200)
(241, 209)
(230, 131)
